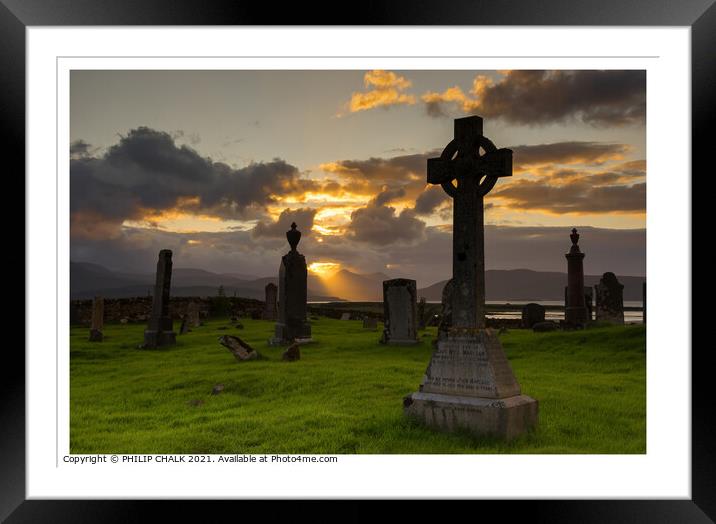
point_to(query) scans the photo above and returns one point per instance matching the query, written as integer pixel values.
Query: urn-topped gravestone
(292, 321)
(469, 383)
(400, 312)
(610, 299)
(159, 331)
(575, 310)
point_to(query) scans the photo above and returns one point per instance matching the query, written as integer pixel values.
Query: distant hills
(88, 280)
(525, 284)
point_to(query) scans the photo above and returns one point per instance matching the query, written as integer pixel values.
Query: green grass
(343, 396)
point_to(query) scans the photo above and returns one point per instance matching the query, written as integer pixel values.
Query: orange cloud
(385, 90)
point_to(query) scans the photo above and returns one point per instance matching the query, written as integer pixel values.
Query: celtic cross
(467, 170)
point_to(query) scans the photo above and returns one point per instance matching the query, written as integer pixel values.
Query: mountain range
(88, 280)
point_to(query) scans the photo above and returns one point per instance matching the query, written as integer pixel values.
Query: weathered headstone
(370, 323)
(292, 294)
(240, 349)
(345, 316)
(532, 313)
(159, 331)
(292, 353)
(422, 320)
(192, 315)
(184, 327)
(270, 304)
(469, 383)
(575, 309)
(610, 299)
(400, 312)
(97, 324)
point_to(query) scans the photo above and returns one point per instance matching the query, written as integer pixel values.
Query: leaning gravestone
(270, 305)
(400, 312)
(97, 324)
(469, 383)
(159, 331)
(532, 314)
(610, 299)
(292, 323)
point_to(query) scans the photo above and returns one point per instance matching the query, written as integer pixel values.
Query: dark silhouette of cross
(467, 170)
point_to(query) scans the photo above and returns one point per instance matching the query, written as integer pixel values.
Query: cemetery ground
(345, 394)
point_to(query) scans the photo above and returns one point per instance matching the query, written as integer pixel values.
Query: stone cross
(467, 175)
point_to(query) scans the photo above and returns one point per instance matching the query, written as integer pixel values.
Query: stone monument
(292, 294)
(575, 309)
(97, 324)
(400, 312)
(469, 382)
(610, 299)
(446, 310)
(159, 331)
(192, 315)
(270, 306)
(532, 314)
(588, 300)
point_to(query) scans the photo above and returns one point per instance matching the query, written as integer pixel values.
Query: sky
(215, 165)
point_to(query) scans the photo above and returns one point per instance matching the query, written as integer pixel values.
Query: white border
(664, 472)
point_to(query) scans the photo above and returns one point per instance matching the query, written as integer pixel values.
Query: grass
(343, 396)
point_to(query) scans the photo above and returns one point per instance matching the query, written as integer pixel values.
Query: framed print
(399, 256)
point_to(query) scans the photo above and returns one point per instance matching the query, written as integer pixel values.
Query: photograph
(357, 261)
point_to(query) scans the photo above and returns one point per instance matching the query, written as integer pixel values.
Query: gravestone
(192, 315)
(292, 353)
(97, 324)
(532, 314)
(421, 313)
(159, 331)
(610, 299)
(270, 305)
(575, 310)
(292, 294)
(184, 327)
(370, 323)
(588, 300)
(240, 349)
(400, 312)
(469, 383)
(345, 316)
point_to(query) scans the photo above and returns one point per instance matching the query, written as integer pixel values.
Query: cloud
(277, 229)
(598, 98)
(380, 225)
(525, 156)
(147, 173)
(580, 195)
(387, 195)
(430, 200)
(385, 89)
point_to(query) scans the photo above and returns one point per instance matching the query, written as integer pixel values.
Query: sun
(323, 269)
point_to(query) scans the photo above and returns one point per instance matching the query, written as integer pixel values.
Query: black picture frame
(16, 15)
